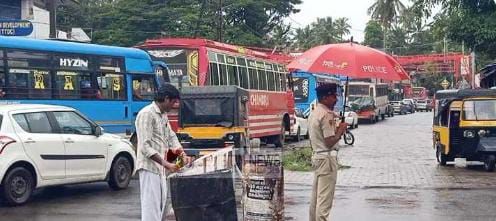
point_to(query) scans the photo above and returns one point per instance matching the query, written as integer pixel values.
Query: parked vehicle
(107, 84)
(410, 103)
(423, 105)
(399, 107)
(300, 128)
(43, 145)
(202, 62)
(369, 100)
(465, 126)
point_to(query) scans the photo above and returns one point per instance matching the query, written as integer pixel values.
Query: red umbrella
(349, 59)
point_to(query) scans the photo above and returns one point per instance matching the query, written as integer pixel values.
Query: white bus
(369, 100)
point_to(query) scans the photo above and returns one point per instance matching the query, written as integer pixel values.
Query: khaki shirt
(321, 124)
(155, 136)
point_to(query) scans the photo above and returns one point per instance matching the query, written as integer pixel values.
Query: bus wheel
(442, 159)
(489, 163)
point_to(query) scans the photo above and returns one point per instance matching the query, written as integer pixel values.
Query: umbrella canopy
(350, 59)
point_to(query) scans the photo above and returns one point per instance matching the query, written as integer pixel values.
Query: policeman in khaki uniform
(324, 137)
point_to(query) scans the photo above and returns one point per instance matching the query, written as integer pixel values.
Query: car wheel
(17, 186)
(489, 163)
(298, 135)
(120, 173)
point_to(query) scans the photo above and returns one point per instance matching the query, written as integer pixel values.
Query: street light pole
(52, 9)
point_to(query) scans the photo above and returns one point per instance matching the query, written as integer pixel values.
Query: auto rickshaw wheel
(442, 158)
(489, 163)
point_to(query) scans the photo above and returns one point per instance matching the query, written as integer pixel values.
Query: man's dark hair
(166, 90)
(325, 90)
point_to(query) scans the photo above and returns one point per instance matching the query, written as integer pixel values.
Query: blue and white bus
(304, 90)
(108, 84)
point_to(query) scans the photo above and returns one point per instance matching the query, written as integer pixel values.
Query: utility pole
(52, 9)
(219, 35)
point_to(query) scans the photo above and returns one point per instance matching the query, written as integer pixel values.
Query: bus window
(213, 74)
(143, 87)
(25, 59)
(253, 78)
(284, 84)
(243, 77)
(112, 86)
(262, 77)
(28, 83)
(233, 75)
(223, 74)
(277, 81)
(74, 85)
(270, 79)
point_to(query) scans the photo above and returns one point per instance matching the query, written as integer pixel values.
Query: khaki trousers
(324, 183)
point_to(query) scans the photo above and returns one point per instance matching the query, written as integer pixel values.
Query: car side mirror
(98, 131)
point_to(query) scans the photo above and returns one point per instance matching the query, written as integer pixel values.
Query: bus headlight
(230, 137)
(469, 134)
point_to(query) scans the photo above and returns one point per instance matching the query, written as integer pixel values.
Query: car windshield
(479, 110)
(217, 112)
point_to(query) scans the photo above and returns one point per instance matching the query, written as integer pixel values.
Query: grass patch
(301, 160)
(298, 160)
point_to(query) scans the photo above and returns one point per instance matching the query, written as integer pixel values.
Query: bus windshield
(301, 89)
(182, 64)
(479, 110)
(360, 90)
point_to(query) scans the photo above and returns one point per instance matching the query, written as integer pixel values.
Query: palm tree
(342, 27)
(303, 38)
(386, 11)
(325, 31)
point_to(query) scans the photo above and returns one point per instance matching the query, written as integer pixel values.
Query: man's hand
(177, 151)
(342, 128)
(170, 166)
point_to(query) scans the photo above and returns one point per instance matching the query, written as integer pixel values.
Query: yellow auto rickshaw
(464, 126)
(213, 117)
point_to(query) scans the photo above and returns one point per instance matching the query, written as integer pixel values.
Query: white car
(44, 145)
(351, 118)
(300, 128)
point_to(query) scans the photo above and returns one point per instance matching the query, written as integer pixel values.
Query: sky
(354, 10)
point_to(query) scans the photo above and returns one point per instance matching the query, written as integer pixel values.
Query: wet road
(394, 175)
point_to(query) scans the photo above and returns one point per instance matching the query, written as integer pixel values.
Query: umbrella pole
(345, 99)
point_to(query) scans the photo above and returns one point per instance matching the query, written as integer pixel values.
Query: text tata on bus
(369, 100)
(107, 84)
(201, 62)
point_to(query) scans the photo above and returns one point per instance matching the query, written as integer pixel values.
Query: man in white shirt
(155, 138)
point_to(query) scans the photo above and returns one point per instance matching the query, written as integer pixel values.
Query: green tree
(128, 22)
(342, 27)
(386, 12)
(373, 34)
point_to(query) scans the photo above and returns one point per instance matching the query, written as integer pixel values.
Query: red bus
(201, 62)
(420, 93)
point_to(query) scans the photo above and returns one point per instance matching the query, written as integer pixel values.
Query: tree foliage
(322, 31)
(128, 22)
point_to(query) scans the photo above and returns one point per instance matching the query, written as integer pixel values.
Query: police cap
(326, 89)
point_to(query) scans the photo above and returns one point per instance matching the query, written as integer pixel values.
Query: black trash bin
(204, 197)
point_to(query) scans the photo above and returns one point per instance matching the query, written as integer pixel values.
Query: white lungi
(153, 191)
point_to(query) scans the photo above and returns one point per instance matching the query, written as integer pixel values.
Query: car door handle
(69, 141)
(29, 140)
